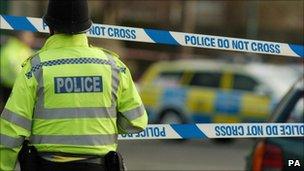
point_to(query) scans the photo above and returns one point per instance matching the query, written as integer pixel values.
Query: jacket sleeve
(16, 119)
(132, 116)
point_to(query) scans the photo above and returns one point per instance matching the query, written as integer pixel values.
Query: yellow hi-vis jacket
(70, 98)
(12, 54)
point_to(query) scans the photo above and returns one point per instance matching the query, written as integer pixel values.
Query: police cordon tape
(206, 131)
(185, 131)
(163, 37)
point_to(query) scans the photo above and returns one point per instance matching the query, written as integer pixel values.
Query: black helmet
(68, 16)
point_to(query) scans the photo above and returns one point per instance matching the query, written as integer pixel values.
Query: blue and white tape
(206, 131)
(163, 37)
(185, 131)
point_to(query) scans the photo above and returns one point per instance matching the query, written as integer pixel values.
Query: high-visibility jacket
(70, 98)
(12, 54)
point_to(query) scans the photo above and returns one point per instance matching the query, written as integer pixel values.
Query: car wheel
(171, 117)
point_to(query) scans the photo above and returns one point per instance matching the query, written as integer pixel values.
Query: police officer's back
(71, 100)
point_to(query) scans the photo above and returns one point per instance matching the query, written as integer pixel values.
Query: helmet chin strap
(52, 32)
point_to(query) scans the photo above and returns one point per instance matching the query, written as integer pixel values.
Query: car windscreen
(289, 108)
(297, 113)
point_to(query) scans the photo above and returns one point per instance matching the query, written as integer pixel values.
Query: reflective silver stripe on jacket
(10, 142)
(35, 61)
(16, 119)
(66, 113)
(90, 140)
(127, 125)
(115, 79)
(134, 113)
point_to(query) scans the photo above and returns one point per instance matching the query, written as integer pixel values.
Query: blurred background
(278, 21)
(183, 84)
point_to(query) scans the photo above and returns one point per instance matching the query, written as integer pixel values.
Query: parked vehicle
(276, 153)
(204, 91)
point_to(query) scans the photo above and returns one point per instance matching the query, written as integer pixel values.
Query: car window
(297, 113)
(243, 82)
(206, 79)
(168, 78)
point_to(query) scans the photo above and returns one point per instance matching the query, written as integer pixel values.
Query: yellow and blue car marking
(207, 105)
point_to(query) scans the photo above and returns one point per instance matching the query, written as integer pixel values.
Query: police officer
(70, 101)
(12, 54)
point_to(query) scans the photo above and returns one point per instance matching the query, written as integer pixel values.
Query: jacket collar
(64, 40)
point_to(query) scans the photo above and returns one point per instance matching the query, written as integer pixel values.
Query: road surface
(190, 155)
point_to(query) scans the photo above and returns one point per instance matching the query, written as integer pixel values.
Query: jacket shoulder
(111, 53)
(28, 60)
(31, 57)
(120, 65)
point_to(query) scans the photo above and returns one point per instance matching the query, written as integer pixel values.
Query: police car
(204, 91)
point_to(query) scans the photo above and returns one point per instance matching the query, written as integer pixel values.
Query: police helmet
(68, 16)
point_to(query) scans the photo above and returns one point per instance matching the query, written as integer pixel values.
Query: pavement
(186, 155)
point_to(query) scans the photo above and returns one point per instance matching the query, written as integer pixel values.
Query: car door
(227, 102)
(162, 90)
(201, 96)
(253, 106)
